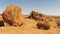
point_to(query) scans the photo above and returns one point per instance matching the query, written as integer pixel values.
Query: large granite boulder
(12, 15)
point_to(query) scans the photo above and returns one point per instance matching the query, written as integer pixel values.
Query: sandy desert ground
(24, 30)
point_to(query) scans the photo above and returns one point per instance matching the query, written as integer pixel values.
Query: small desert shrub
(58, 24)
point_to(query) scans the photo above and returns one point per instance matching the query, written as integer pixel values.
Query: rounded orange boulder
(12, 15)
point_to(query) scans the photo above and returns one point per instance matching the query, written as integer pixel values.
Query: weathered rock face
(12, 15)
(36, 15)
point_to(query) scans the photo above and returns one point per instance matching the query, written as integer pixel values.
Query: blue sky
(48, 7)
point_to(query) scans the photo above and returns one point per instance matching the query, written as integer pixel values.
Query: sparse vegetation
(58, 24)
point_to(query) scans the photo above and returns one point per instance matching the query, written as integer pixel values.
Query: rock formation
(36, 15)
(12, 15)
(41, 19)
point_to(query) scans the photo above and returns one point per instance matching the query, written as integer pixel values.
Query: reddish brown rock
(36, 15)
(43, 25)
(12, 15)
